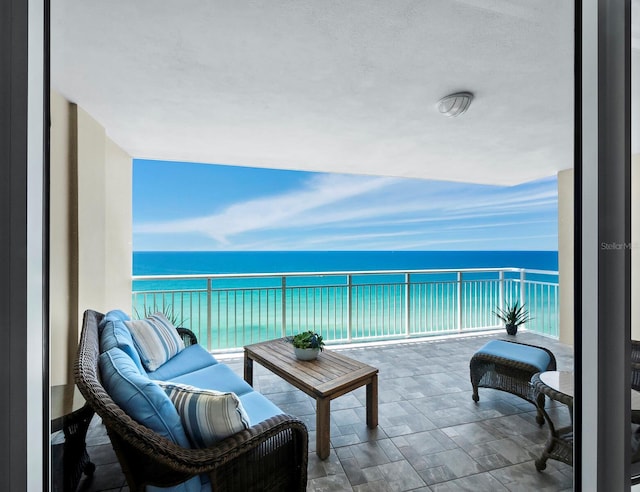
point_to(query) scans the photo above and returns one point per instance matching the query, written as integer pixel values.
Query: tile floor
(431, 435)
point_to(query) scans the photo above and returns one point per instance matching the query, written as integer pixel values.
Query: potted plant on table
(513, 316)
(307, 345)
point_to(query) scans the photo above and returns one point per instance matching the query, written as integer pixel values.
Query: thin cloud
(333, 212)
(406, 201)
(500, 224)
(272, 212)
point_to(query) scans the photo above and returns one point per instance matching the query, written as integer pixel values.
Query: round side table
(558, 386)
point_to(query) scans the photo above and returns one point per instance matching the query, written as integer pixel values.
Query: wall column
(602, 404)
(565, 254)
(90, 239)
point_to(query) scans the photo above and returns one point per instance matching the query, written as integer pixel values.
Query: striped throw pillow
(156, 340)
(207, 415)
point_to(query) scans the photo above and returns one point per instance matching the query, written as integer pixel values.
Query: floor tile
(431, 435)
(334, 483)
(519, 478)
(400, 476)
(482, 482)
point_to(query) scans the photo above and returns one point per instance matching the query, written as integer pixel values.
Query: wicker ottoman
(509, 366)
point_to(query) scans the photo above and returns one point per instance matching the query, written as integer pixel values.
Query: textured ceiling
(340, 86)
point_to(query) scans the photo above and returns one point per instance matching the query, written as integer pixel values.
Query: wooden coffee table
(329, 376)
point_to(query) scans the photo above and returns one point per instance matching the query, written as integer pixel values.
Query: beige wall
(63, 238)
(565, 254)
(92, 215)
(90, 239)
(119, 219)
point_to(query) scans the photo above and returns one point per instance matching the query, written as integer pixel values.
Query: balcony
(431, 435)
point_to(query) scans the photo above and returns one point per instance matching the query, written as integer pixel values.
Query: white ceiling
(339, 86)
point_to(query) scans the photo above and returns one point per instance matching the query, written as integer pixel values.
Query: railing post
(284, 306)
(407, 304)
(349, 307)
(501, 289)
(209, 302)
(522, 288)
(459, 302)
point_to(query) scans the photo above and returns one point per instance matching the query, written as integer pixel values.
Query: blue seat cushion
(194, 484)
(116, 334)
(217, 377)
(258, 407)
(192, 358)
(533, 356)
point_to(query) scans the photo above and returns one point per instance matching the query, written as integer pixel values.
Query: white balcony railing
(229, 311)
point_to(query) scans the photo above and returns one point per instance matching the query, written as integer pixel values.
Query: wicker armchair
(270, 456)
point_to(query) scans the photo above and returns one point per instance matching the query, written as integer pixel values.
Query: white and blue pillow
(156, 340)
(207, 415)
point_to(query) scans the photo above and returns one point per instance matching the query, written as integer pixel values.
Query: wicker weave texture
(512, 376)
(269, 456)
(559, 444)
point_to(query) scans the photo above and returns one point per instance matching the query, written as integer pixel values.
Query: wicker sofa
(269, 455)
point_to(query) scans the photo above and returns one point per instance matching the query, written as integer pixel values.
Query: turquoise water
(203, 262)
(233, 313)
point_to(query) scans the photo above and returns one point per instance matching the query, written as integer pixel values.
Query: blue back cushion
(145, 402)
(192, 358)
(116, 334)
(218, 377)
(515, 351)
(139, 397)
(115, 314)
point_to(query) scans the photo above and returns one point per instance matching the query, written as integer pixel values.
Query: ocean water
(208, 262)
(229, 313)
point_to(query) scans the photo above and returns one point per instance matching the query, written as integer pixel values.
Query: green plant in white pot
(513, 316)
(307, 345)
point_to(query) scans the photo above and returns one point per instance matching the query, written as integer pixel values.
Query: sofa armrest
(188, 337)
(269, 456)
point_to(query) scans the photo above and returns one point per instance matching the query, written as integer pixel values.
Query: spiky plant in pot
(513, 316)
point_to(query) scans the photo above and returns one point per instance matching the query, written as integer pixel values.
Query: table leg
(323, 410)
(540, 401)
(248, 369)
(372, 402)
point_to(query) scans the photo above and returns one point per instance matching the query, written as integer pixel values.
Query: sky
(181, 206)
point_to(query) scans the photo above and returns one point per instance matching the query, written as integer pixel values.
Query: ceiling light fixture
(455, 104)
